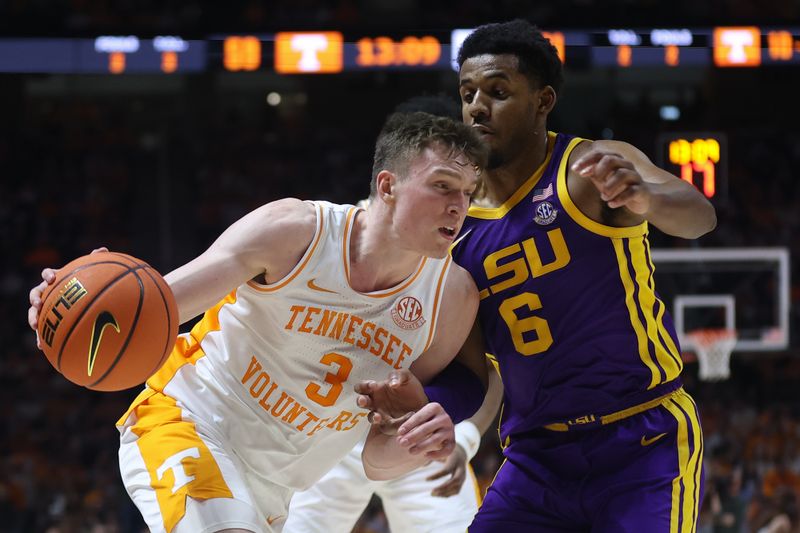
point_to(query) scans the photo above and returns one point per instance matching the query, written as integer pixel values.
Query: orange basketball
(108, 322)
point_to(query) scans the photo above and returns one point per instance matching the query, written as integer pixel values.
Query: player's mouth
(448, 232)
(482, 130)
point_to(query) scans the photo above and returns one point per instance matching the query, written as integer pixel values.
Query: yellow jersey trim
(628, 284)
(577, 215)
(489, 213)
(670, 345)
(668, 359)
(187, 350)
(625, 413)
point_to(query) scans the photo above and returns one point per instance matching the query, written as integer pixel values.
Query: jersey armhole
(272, 287)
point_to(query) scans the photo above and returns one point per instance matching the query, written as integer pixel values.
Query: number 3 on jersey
(344, 366)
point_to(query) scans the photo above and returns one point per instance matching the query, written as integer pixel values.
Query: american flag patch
(542, 194)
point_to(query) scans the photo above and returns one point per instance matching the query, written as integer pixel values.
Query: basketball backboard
(746, 289)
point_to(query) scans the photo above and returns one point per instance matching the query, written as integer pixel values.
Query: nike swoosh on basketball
(103, 320)
(647, 442)
(313, 286)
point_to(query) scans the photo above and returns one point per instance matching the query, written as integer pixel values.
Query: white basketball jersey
(272, 367)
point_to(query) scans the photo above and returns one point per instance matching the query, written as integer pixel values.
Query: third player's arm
(491, 402)
(666, 201)
(268, 241)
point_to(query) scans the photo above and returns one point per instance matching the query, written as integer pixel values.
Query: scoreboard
(699, 158)
(330, 52)
(105, 54)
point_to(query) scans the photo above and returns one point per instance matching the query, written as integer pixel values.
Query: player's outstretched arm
(625, 177)
(268, 241)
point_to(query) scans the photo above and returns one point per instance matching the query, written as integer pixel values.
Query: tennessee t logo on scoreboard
(309, 52)
(737, 47)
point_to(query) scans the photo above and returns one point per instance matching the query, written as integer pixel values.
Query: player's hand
(35, 297)
(616, 178)
(388, 425)
(455, 466)
(429, 431)
(394, 397)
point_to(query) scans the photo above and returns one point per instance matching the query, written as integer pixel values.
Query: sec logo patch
(407, 313)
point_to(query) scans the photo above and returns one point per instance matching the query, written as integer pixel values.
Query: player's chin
(439, 252)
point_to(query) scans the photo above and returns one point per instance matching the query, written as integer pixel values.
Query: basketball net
(713, 348)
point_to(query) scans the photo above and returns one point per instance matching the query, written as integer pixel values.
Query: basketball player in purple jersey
(598, 434)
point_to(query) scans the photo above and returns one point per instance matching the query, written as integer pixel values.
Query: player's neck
(501, 182)
(377, 260)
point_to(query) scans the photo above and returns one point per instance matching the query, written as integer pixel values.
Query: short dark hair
(406, 135)
(538, 58)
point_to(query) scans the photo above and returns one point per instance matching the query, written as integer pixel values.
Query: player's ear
(547, 99)
(385, 185)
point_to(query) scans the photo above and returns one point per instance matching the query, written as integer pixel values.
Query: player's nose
(478, 108)
(459, 205)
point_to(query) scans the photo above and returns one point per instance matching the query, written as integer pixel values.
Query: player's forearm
(469, 432)
(678, 209)
(200, 284)
(384, 458)
(491, 402)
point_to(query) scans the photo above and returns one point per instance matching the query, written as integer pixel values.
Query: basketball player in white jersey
(335, 503)
(303, 300)
(418, 501)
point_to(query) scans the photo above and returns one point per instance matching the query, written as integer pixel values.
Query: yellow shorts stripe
(178, 461)
(686, 485)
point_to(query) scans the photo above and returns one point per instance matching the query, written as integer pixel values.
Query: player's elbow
(705, 222)
(711, 220)
(382, 466)
(376, 474)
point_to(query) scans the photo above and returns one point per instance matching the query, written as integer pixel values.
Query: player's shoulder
(287, 222)
(287, 213)
(459, 286)
(293, 208)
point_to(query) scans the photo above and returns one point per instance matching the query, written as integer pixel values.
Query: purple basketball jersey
(568, 305)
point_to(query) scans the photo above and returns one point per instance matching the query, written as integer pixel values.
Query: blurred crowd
(160, 175)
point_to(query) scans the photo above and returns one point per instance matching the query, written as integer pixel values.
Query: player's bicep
(269, 241)
(459, 309)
